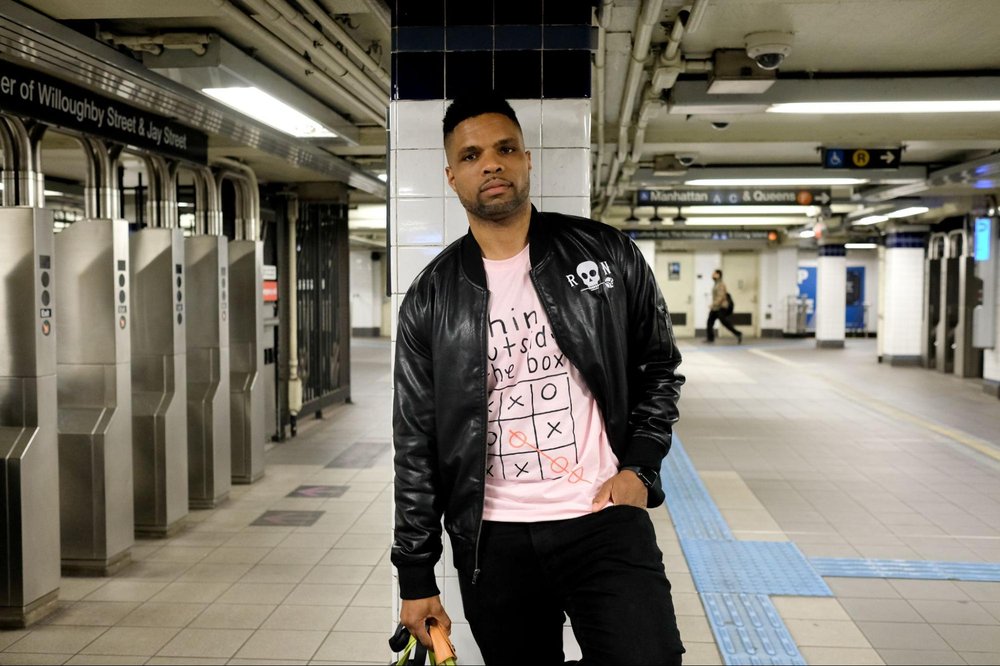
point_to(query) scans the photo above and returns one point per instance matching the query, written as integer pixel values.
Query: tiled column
(535, 54)
(831, 290)
(903, 309)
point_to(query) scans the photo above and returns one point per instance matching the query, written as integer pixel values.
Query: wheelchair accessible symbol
(834, 158)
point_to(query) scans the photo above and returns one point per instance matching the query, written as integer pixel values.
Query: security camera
(769, 49)
(720, 124)
(687, 159)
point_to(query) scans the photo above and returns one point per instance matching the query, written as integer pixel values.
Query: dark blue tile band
(832, 251)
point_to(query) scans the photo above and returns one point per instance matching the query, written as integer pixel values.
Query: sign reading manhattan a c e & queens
(34, 94)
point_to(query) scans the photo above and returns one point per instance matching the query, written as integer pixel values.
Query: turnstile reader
(95, 397)
(246, 258)
(159, 381)
(29, 464)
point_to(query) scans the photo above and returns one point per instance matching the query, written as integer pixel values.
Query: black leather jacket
(608, 318)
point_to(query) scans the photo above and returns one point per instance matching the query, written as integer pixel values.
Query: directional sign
(862, 158)
(735, 197)
(694, 234)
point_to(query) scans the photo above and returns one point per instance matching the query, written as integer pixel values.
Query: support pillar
(831, 289)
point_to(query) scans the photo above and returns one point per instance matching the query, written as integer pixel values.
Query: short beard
(495, 212)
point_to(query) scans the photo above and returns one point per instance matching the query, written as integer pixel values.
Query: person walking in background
(722, 310)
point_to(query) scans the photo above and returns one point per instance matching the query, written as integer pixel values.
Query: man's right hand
(415, 614)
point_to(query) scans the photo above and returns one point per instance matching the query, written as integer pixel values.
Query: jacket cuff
(645, 452)
(417, 582)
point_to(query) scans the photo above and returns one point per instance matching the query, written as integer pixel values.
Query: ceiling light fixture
(929, 106)
(270, 110)
(679, 217)
(870, 219)
(764, 182)
(656, 215)
(860, 246)
(735, 221)
(807, 233)
(907, 212)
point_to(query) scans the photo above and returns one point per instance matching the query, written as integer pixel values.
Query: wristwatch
(647, 475)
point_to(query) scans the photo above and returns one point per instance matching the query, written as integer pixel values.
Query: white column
(767, 294)
(903, 309)
(648, 249)
(991, 357)
(831, 288)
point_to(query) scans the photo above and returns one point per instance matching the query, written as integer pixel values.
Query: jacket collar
(539, 238)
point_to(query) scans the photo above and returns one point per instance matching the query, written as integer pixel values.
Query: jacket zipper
(482, 503)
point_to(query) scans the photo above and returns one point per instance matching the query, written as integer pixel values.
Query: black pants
(604, 570)
(722, 316)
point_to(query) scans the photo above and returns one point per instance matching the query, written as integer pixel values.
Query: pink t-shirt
(548, 452)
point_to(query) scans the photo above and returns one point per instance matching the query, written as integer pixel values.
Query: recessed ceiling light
(807, 233)
(269, 110)
(383, 177)
(860, 246)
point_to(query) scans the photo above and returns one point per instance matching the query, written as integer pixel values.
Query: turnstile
(95, 397)
(933, 325)
(208, 371)
(159, 381)
(29, 465)
(246, 258)
(959, 294)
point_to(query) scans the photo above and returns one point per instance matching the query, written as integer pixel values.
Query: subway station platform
(823, 509)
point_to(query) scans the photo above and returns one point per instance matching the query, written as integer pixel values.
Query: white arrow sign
(888, 158)
(823, 198)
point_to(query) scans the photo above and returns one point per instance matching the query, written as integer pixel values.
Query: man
(721, 310)
(536, 387)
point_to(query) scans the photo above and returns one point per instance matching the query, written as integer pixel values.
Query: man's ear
(528, 153)
(451, 178)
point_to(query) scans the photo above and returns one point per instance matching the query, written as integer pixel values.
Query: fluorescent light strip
(742, 221)
(807, 233)
(762, 182)
(907, 212)
(54, 193)
(871, 219)
(811, 211)
(269, 110)
(860, 246)
(936, 106)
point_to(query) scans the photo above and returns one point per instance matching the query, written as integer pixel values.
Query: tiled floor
(827, 449)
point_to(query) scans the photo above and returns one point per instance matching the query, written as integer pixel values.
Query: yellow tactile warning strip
(954, 434)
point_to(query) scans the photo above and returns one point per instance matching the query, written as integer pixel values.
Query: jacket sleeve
(417, 536)
(653, 358)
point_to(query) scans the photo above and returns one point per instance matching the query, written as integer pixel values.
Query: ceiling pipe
(600, 62)
(335, 31)
(307, 74)
(307, 38)
(648, 18)
(381, 13)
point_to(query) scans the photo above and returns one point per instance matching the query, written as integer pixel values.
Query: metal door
(675, 275)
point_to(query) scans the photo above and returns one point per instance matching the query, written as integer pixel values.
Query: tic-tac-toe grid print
(530, 434)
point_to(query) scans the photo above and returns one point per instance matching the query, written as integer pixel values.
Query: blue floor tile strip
(909, 569)
(734, 578)
(754, 567)
(748, 630)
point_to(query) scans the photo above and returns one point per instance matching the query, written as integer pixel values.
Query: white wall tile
(418, 124)
(566, 123)
(420, 221)
(529, 115)
(565, 172)
(419, 173)
(579, 206)
(409, 262)
(904, 306)
(535, 177)
(456, 221)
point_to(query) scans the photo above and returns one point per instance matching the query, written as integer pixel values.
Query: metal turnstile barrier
(959, 295)
(797, 313)
(29, 465)
(95, 397)
(246, 257)
(933, 325)
(159, 381)
(208, 371)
